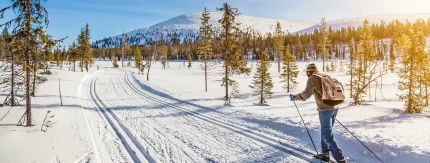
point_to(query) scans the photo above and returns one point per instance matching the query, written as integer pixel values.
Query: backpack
(332, 90)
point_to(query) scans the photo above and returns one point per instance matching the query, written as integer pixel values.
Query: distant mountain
(373, 19)
(188, 24)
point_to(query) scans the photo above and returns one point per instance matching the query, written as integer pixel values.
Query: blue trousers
(327, 119)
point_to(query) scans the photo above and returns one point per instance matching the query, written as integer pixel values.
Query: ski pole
(360, 141)
(307, 129)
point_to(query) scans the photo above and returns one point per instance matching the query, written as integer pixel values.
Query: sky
(111, 17)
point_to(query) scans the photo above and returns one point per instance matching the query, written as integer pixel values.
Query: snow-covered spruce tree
(411, 49)
(278, 43)
(204, 49)
(233, 62)
(262, 82)
(26, 11)
(137, 58)
(290, 70)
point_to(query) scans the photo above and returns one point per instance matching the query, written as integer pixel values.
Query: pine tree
(137, 58)
(30, 15)
(353, 69)
(279, 43)
(323, 40)
(412, 51)
(332, 66)
(341, 66)
(163, 50)
(123, 48)
(115, 62)
(148, 64)
(262, 82)
(190, 61)
(290, 70)
(58, 56)
(73, 56)
(13, 82)
(84, 48)
(366, 64)
(392, 57)
(233, 62)
(63, 57)
(204, 50)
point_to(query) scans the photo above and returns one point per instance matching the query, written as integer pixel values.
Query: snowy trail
(151, 125)
(129, 142)
(264, 139)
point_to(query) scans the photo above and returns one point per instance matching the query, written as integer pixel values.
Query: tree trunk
(206, 77)
(262, 83)
(33, 93)
(147, 73)
(27, 65)
(226, 81)
(12, 88)
(279, 63)
(288, 77)
(323, 57)
(410, 98)
(122, 57)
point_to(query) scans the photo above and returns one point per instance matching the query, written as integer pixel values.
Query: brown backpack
(332, 90)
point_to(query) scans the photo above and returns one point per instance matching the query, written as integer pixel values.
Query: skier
(327, 114)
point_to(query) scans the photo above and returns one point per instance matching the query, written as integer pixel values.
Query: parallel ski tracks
(158, 129)
(129, 143)
(264, 139)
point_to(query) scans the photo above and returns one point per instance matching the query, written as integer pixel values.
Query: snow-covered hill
(189, 24)
(373, 19)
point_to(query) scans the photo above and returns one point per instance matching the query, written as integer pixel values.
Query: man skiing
(327, 114)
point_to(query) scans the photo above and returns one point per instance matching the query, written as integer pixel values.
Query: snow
(115, 115)
(65, 141)
(373, 19)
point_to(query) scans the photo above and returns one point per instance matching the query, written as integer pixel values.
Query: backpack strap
(321, 77)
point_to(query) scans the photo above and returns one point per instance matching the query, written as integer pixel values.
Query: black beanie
(312, 68)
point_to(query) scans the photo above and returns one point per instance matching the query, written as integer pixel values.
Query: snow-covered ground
(115, 115)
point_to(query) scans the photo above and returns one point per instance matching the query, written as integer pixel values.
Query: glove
(293, 97)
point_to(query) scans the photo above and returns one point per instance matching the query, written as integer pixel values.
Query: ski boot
(323, 157)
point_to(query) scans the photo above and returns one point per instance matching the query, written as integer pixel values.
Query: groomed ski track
(132, 121)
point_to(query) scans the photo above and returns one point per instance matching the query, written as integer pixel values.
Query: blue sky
(111, 17)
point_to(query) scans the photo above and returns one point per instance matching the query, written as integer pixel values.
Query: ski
(308, 154)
